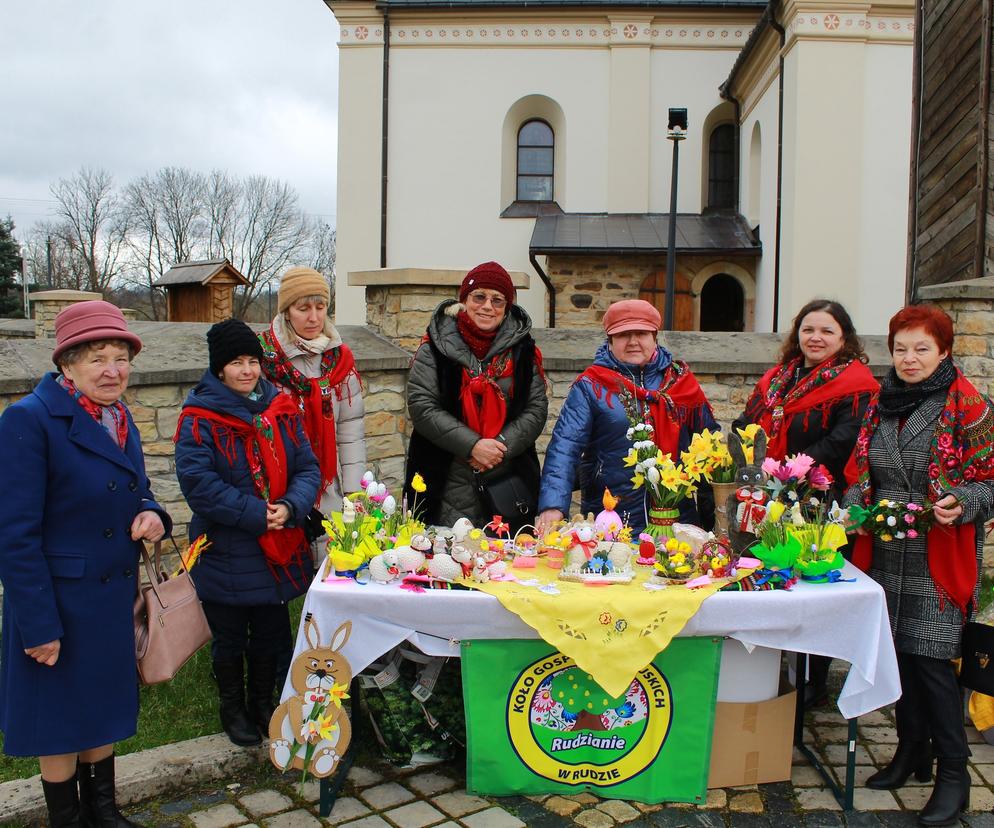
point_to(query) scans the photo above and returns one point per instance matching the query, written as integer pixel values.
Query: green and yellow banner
(536, 723)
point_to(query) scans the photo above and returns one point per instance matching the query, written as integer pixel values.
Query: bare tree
(165, 220)
(94, 224)
(52, 257)
(258, 226)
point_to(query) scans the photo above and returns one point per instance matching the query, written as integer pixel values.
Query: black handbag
(977, 664)
(505, 493)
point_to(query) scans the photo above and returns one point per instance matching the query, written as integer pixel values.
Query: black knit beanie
(229, 340)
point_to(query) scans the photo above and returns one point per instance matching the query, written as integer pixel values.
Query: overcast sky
(250, 86)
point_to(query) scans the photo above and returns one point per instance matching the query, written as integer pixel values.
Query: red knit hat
(631, 315)
(91, 321)
(488, 275)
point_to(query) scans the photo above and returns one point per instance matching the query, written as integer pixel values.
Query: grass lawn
(183, 708)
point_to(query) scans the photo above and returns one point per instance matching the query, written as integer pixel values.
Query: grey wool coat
(899, 471)
(442, 429)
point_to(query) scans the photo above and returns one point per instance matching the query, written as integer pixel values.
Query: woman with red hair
(929, 440)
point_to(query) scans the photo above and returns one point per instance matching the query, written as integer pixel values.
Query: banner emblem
(565, 728)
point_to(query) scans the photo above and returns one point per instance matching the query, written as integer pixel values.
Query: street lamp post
(677, 131)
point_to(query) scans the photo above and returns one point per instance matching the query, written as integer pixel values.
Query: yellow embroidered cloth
(610, 631)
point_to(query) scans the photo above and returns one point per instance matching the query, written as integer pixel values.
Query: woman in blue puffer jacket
(249, 475)
(590, 439)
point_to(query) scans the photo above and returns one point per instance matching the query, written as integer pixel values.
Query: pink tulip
(820, 478)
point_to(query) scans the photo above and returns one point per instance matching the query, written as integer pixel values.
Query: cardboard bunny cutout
(311, 731)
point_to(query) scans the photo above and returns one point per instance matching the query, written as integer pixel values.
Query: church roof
(642, 233)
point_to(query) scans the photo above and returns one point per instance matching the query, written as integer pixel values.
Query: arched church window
(536, 154)
(723, 179)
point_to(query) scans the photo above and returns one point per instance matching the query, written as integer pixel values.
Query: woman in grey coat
(477, 399)
(928, 440)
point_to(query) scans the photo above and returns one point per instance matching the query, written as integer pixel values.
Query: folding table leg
(844, 796)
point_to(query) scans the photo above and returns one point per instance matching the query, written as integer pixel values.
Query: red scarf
(313, 396)
(484, 406)
(962, 451)
(266, 456)
(479, 342)
(678, 401)
(116, 412)
(774, 408)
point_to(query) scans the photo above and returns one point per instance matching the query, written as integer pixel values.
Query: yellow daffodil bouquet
(707, 458)
(667, 483)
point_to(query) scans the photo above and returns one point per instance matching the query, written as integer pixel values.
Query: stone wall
(970, 303)
(587, 285)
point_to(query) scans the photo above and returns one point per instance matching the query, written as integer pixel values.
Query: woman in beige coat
(304, 355)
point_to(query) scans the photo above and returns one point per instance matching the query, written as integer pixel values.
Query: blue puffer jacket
(589, 444)
(225, 505)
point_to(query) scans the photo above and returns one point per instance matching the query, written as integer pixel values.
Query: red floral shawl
(312, 396)
(962, 451)
(266, 456)
(679, 399)
(774, 409)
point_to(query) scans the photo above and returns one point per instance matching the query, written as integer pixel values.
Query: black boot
(62, 799)
(230, 677)
(950, 796)
(261, 684)
(97, 804)
(910, 757)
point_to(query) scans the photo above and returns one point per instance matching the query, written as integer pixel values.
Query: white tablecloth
(843, 620)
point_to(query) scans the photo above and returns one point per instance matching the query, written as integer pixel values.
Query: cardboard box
(752, 742)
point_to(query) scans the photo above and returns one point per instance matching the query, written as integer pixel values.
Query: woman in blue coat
(71, 523)
(590, 438)
(251, 479)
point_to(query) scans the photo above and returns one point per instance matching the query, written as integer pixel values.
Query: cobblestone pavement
(379, 796)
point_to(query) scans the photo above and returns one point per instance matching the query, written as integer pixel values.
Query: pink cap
(91, 321)
(631, 315)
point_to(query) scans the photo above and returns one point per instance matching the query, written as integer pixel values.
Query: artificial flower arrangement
(693, 552)
(370, 523)
(800, 530)
(892, 520)
(667, 483)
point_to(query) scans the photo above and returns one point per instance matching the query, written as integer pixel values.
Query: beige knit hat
(299, 282)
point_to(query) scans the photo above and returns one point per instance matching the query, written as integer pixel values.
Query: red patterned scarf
(962, 451)
(313, 396)
(266, 455)
(679, 400)
(113, 418)
(774, 407)
(484, 406)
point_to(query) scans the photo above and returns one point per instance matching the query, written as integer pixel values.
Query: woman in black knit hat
(250, 478)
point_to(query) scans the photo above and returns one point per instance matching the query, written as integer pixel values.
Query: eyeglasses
(496, 302)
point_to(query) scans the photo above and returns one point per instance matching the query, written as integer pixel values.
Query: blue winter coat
(69, 569)
(226, 507)
(589, 444)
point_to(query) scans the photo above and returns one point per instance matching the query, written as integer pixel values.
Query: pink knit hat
(91, 321)
(631, 315)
